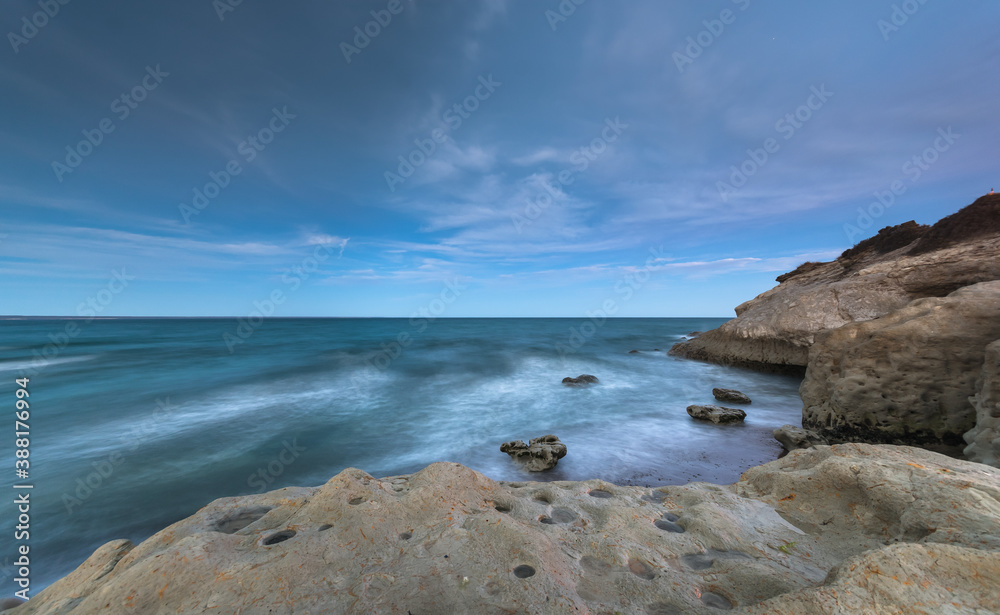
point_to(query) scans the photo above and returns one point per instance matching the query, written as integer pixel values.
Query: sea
(137, 423)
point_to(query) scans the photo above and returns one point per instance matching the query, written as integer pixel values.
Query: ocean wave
(38, 364)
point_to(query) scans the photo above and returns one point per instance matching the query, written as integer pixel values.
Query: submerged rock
(540, 454)
(792, 437)
(730, 395)
(843, 529)
(582, 379)
(716, 414)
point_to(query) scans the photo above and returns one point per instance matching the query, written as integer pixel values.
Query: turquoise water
(137, 423)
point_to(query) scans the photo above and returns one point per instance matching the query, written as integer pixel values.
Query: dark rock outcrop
(731, 396)
(538, 455)
(716, 414)
(793, 438)
(582, 379)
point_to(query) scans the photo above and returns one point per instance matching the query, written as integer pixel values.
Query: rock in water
(792, 437)
(730, 395)
(717, 414)
(537, 456)
(851, 528)
(984, 438)
(582, 379)
(905, 378)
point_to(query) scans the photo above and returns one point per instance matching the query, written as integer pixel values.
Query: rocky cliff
(906, 377)
(842, 529)
(880, 275)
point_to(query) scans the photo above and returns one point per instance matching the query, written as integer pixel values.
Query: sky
(475, 158)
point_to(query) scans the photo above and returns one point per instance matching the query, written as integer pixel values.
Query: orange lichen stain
(362, 533)
(916, 465)
(163, 589)
(790, 496)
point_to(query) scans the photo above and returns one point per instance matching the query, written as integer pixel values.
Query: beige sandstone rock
(984, 437)
(906, 377)
(448, 540)
(775, 330)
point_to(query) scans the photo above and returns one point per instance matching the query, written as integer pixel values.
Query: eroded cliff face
(984, 437)
(880, 275)
(849, 528)
(905, 378)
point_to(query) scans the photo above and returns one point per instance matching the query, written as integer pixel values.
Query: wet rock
(538, 455)
(792, 437)
(716, 414)
(581, 380)
(731, 396)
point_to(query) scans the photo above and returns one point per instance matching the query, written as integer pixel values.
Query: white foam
(40, 364)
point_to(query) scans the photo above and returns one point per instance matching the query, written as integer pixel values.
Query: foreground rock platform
(851, 528)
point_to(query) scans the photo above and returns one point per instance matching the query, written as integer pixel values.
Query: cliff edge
(774, 331)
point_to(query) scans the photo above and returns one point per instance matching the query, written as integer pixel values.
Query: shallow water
(137, 423)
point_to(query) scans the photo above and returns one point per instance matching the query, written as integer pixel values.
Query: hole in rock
(405, 536)
(501, 507)
(715, 600)
(277, 537)
(546, 520)
(236, 521)
(641, 569)
(355, 501)
(524, 571)
(599, 493)
(668, 526)
(698, 561)
(324, 527)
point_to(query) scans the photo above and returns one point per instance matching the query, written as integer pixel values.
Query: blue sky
(590, 156)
